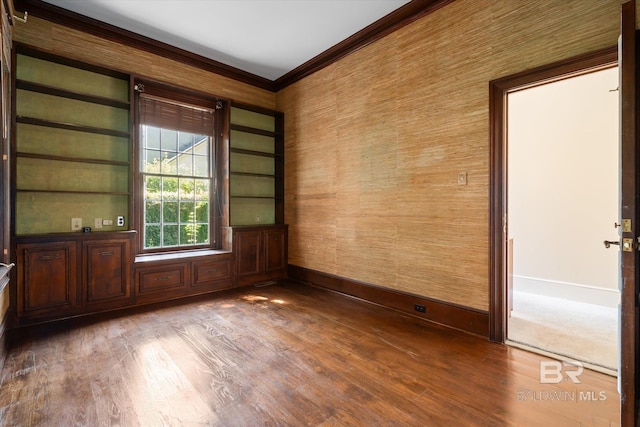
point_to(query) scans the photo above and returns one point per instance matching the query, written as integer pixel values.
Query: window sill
(175, 256)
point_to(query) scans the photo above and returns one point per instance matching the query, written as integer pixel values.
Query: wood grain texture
(287, 354)
(74, 44)
(375, 143)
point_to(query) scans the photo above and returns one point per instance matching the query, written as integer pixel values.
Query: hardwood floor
(284, 355)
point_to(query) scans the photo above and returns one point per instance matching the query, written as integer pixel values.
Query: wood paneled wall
(78, 45)
(374, 143)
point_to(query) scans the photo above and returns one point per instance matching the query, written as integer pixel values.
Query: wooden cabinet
(106, 272)
(160, 278)
(71, 274)
(47, 279)
(261, 253)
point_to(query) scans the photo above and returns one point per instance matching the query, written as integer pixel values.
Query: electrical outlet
(120, 221)
(97, 223)
(420, 308)
(107, 222)
(76, 224)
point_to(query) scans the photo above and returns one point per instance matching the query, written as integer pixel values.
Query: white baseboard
(565, 290)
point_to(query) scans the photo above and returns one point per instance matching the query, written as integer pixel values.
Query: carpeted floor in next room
(580, 331)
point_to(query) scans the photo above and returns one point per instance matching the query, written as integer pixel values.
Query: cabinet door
(248, 252)
(275, 250)
(46, 278)
(106, 271)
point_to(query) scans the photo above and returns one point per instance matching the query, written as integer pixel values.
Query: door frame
(498, 91)
(629, 209)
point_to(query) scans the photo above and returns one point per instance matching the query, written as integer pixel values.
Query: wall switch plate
(107, 222)
(97, 223)
(76, 224)
(120, 221)
(462, 178)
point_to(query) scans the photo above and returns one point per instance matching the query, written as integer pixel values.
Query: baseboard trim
(567, 290)
(454, 316)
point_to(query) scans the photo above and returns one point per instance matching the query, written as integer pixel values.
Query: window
(176, 146)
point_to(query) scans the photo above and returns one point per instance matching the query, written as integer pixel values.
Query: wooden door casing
(629, 210)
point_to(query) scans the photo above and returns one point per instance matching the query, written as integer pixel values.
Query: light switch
(76, 224)
(462, 178)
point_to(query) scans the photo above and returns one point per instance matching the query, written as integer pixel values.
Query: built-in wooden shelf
(50, 90)
(71, 126)
(108, 193)
(71, 159)
(254, 152)
(248, 129)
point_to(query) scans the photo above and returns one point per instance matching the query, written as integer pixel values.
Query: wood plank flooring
(284, 355)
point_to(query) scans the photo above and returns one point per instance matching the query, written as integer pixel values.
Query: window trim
(219, 191)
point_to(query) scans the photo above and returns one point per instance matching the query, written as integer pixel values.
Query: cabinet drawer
(206, 272)
(149, 280)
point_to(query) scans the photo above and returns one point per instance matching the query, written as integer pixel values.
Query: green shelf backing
(71, 79)
(252, 186)
(252, 211)
(61, 172)
(252, 164)
(40, 213)
(53, 175)
(252, 141)
(252, 119)
(69, 143)
(65, 110)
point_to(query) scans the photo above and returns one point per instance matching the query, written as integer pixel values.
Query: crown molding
(386, 25)
(112, 33)
(406, 14)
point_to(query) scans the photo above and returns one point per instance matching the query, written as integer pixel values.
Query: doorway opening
(501, 269)
(562, 203)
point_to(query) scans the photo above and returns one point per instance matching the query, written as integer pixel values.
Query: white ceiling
(267, 38)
